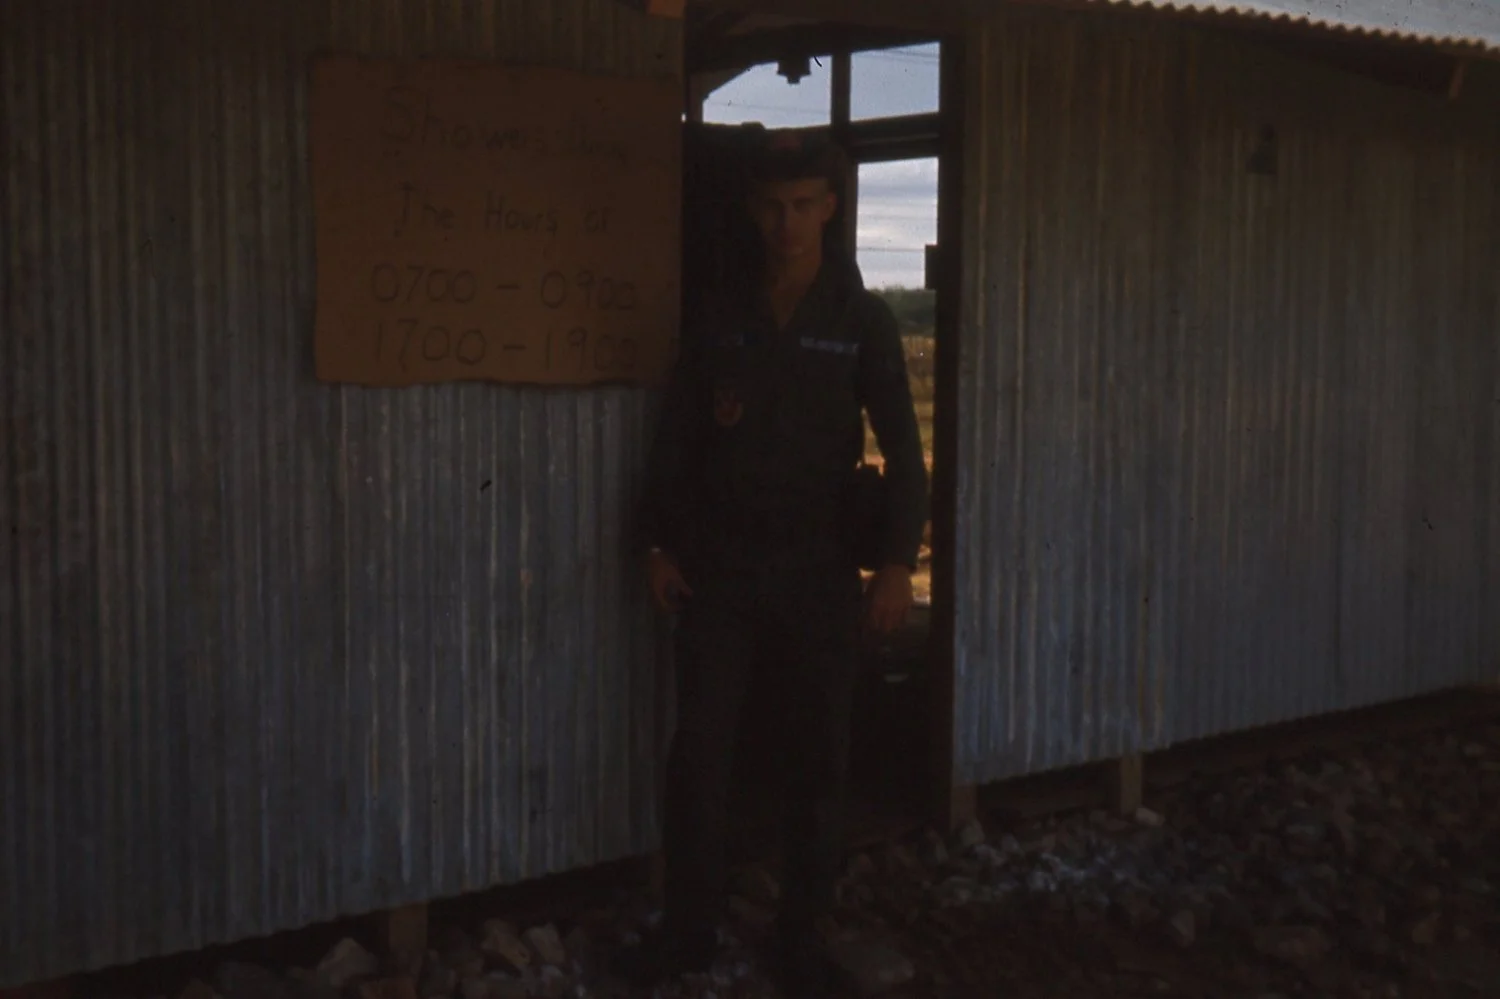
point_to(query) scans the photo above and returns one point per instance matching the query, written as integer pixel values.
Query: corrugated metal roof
(274, 651)
(1459, 23)
(1227, 440)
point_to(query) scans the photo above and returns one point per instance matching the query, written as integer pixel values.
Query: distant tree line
(914, 311)
(914, 308)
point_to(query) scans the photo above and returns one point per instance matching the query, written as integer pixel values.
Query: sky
(897, 201)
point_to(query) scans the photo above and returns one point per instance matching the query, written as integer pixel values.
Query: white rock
(1184, 927)
(499, 943)
(871, 967)
(346, 962)
(969, 835)
(547, 945)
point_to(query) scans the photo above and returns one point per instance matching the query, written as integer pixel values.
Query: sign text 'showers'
(484, 222)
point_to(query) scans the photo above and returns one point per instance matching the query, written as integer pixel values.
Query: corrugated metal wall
(1226, 437)
(276, 651)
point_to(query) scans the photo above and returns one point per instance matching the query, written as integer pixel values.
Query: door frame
(937, 134)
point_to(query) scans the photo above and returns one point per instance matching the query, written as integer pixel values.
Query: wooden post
(841, 75)
(403, 934)
(660, 8)
(1456, 81)
(963, 805)
(1125, 782)
(658, 877)
(59, 988)
(841, 84)
(952, 803)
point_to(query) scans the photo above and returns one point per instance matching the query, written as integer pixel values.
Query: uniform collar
(837, 282)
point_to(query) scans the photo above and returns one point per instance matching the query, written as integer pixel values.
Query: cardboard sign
(486, 222)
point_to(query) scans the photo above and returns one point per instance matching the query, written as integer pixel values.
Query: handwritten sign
(485, 222)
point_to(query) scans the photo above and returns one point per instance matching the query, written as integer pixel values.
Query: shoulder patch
(728, 407)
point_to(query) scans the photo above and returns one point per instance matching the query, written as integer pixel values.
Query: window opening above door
(761, 94)
(895, 82)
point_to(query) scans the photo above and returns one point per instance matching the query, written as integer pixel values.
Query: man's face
(791, 215)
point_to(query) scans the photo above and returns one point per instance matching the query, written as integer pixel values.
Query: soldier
(749, 521)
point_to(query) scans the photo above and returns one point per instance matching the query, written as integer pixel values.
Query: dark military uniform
(748, 488)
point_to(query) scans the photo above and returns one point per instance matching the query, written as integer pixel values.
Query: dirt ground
(1366, 872)
(1369, 872)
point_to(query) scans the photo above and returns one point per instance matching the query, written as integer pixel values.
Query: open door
(883, 105)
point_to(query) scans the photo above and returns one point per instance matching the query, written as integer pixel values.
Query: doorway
(880, 94)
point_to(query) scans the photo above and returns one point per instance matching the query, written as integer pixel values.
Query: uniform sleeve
(886, 394)
(665, 497)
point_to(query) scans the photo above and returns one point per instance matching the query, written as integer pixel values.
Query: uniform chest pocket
(825, 397)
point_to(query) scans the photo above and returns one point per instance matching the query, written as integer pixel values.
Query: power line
(925, 50)
(897, 57)
(803, 112)
(909, 57)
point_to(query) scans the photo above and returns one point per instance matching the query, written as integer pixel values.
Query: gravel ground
(1364, 873)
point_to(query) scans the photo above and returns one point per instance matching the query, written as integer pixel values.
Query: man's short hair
(787, 154)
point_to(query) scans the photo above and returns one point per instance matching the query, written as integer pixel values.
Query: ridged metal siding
(1226, 438)
(276, 651)
(1459, 23)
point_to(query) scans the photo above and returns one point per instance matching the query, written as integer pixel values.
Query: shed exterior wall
(277, 651)
(1226, 438)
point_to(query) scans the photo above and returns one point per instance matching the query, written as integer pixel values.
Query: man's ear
(830, 207)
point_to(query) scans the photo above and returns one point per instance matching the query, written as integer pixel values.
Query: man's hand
(668, 588)
(888, 599)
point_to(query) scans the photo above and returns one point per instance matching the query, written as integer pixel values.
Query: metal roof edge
(1484, 43)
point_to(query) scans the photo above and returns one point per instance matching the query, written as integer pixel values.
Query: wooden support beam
(772, 44)
(909, 137)
(403, 936)
(60, 988)
(927, 15)
(841, 75)
(955, 212)
(963, 805)
(1456, 82)
(658, 876)
(1125, 782)
(841, 85)
(659, 8)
